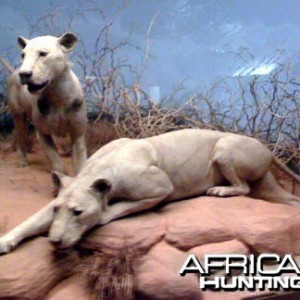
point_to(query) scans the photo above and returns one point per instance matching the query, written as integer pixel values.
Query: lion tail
(285, 169)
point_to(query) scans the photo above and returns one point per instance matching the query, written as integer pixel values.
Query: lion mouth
(32, 87)
(63, 250)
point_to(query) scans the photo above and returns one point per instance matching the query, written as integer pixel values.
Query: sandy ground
(23, 191)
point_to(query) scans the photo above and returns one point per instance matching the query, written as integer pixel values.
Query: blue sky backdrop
(194, 39)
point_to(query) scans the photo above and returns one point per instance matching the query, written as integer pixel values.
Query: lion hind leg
(238, 186)
(226, 161)
(20, 133)
(240, 160)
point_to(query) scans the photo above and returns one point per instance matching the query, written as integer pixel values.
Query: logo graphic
(255, 273)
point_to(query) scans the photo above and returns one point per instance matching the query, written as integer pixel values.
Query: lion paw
(22, 163)
(228, 191)
(219, 191)
(6, 245)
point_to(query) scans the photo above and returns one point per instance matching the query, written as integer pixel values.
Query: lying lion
(128, 175)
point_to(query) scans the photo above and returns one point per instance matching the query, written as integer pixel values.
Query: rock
(163, 239)
(71, 288)
(157, 275)
(229, 247)
(200, 226)
(262, 226)
(32, 270)
(140, 232)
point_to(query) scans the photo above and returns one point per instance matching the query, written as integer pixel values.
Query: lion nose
(24, 76)
(56, 243)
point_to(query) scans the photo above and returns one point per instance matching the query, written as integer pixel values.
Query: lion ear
(102, 186)
(22, 42)
(68, 41)
(60, 180)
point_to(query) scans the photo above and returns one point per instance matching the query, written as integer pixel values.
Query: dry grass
(98, 134)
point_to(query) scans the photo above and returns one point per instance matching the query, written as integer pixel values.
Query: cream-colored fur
(45, 90)
(128, 175)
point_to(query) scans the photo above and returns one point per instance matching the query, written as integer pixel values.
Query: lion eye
(114, 201)
(22, 55)
(77, 212)
(55, 209)
(43, 53)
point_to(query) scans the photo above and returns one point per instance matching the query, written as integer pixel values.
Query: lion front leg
(148, 188)
(36, 224)
(51, 152)
(79, 153)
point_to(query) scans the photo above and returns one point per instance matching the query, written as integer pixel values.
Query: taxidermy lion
(46, 91)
